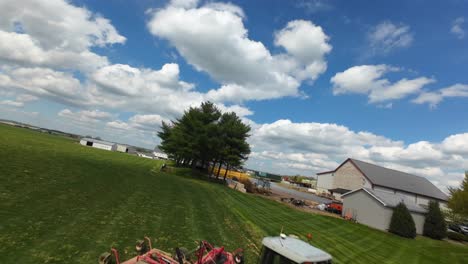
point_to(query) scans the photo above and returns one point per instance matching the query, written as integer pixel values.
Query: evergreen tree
(402, 222)
(208, 133)
(234, 136)
(434, 225)
(167, 141)
(205, 136)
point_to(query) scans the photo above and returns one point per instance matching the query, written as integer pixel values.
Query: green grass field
(61, 202)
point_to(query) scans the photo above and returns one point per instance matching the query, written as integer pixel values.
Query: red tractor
(205, 253)
(279, 249)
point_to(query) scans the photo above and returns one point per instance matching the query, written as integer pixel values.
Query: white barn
(125, 149)
(354, 174)
(375, 208)
(159, 154)
(99, 144)
(370, 192)
(145, 155)
(122, 148)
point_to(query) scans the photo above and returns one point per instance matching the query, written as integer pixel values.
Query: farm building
(354, 174)
(159, 154)
(100, 144)
(145, 155)
(375, 208)
(370, 192)
(125, 149)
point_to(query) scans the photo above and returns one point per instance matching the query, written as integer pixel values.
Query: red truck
(335, 207)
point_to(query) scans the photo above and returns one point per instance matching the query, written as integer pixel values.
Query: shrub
(434, 224)
(402, 222)
(457, 236)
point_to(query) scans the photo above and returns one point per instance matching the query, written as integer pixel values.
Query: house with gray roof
(354, 174)
(370, 192)
(375, 208)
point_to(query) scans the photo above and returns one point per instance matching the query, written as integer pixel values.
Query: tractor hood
(295, 249)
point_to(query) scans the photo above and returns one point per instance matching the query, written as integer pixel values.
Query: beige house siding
(349, 177)
(325, 182)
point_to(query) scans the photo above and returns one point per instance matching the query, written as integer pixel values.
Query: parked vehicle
(286, 199)
(296, 202)
(335, 207)
(459, 228)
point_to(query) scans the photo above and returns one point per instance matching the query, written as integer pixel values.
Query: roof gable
(399, 180)
(390, 200)
(394, 179)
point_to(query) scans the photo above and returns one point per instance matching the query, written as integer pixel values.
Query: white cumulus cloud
(85, 116)
(53, 33)
(369, 80)
(245, 68)
(435, 97)
(307, 148)
(457, 28)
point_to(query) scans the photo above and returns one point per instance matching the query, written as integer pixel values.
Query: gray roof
(99, 141)
(394, 179)
(391, 200)
(295, 249)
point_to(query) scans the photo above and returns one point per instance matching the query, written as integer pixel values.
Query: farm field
(65, 203)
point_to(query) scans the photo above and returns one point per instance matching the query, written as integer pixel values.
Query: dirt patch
(309, 208)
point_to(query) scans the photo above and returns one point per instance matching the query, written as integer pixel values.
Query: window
(269, 256)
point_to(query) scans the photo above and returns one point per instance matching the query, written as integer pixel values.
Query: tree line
(204, 137)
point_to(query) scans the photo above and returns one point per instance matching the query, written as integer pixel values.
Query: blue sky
(318, 81)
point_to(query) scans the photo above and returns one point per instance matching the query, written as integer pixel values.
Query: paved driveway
(283, 191)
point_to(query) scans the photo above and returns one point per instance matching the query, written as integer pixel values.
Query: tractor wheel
(105, 258)
(182, 254)
(239, 257)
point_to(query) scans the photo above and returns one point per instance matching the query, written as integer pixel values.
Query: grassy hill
(61, 202)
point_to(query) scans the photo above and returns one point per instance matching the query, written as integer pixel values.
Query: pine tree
(434, 225)
(203, 135)
(402, 222)
(234, 140)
